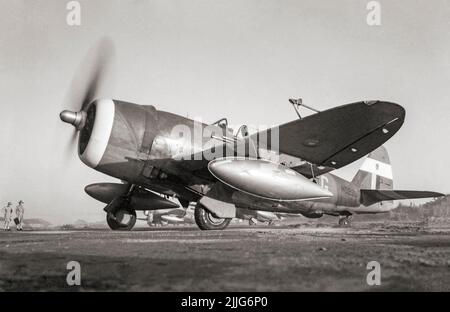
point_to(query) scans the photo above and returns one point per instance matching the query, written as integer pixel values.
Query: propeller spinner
(76, 119)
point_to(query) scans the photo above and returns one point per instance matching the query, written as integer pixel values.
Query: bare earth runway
(308, 258)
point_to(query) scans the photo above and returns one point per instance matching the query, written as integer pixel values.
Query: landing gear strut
(207, 221)
(345, 221)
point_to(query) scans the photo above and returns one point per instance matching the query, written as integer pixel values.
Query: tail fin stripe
(377, 167)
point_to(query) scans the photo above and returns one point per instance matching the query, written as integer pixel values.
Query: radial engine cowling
(115, 132)
(96, 131)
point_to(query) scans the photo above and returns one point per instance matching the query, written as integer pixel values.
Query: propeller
(87, 83)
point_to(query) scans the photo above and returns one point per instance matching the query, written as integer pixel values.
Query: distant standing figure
(20, 210)
(7, 214)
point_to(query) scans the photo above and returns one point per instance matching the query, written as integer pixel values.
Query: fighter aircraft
(160, 155)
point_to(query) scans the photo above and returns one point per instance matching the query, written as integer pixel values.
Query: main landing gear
(207, 221)
(345, 221)
(120, 216)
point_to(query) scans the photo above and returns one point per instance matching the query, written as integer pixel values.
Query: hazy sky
(236, 58)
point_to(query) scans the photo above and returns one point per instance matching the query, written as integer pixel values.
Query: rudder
(375, 172)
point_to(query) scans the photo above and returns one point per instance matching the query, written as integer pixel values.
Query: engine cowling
(115, 135)
(95, 134)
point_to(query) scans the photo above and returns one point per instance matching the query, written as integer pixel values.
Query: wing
(338, 136)
(369, 197)
(324, 141)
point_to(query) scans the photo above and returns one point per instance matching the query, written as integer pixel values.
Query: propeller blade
(88, 84)
(71, 143)
(91, 76)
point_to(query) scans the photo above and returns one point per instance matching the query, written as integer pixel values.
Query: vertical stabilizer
(375, 172)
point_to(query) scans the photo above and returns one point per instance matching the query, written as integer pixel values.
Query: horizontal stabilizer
(370, 197)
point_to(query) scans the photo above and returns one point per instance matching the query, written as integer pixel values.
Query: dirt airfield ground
(309, 257)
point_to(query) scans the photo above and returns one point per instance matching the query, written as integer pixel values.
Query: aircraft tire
(205, 220)
(344, 222)
(115, 222)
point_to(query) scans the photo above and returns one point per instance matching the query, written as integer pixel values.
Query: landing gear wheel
(345, 221)
(207, 221)
(121, 219)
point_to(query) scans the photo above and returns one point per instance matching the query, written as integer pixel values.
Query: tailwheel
(121, 219)
(345, 221)
(207, 221)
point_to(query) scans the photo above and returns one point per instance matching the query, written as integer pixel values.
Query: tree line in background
(438, 209)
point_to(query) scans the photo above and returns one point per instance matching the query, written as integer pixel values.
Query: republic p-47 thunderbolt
(159, 155)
